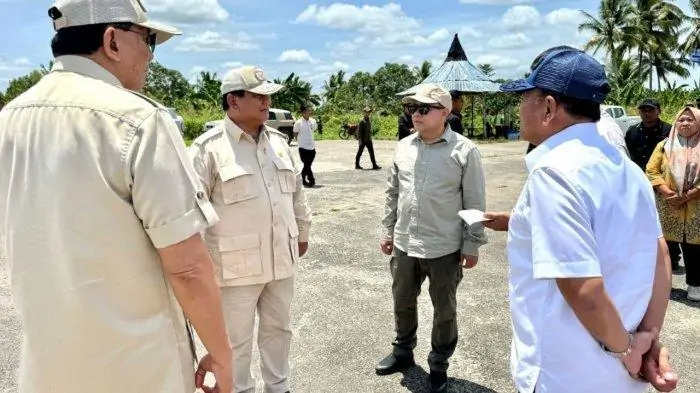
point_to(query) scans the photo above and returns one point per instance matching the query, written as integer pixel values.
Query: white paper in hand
(472, 216)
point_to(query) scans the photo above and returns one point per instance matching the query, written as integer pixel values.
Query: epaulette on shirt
(148, 99)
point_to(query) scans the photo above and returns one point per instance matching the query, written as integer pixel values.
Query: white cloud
(187, 11)
(197, 69)
(471, 32)
(521, 17)
(341, 65)
(387, 25)
(296, 56)
(509, 41)
(564, 16)
(498, 61)
(407, 58)
(231, 64)
(210, 41)
(366, 19)
(20, 64)
(495, 2)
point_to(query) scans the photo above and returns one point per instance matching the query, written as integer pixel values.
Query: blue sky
(316, 38)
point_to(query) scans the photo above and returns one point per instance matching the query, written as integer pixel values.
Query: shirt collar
(446, 136)
(236, 132)
(84, 66)
(576, 131)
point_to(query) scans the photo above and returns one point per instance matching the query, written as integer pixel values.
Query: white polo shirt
(585, 211)
(305, 133)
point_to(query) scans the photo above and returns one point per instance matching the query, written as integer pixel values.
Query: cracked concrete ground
(342, 310)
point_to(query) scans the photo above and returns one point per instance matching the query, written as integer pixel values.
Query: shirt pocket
(294, 242)
(240, 256)
(237, 183)
(286, 175)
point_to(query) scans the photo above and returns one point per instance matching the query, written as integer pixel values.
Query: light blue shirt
(585, 211)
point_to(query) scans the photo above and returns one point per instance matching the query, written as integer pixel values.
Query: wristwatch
(623, 353)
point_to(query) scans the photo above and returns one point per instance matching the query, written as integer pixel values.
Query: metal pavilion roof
(458, 73)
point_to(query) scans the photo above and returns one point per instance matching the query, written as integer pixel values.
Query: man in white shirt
(304, 129)
(587, 300)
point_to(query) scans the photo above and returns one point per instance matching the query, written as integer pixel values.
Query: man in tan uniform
(255, 185)
(101, 212)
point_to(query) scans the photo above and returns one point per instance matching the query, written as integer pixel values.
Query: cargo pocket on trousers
(294, 242)
(240, 256)
(237, 183)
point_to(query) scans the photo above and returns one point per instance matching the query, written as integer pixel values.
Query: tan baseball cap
(430, 93)
(70, 13)
(248, 78)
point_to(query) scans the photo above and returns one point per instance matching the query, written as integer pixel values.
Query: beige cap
(248, 78)
(430, 93)
(70, 13)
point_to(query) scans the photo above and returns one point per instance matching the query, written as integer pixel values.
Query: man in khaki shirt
(436, 173)
(101, 212)
(248, 171)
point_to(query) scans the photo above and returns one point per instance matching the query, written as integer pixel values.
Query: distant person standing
(364, 136)
(304, 129)
(643, 137)
(405, 123)
(455, 117)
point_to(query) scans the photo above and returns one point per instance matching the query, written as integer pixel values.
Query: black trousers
(307, 158)
(361, 149)
(444, 274)
(691, 258)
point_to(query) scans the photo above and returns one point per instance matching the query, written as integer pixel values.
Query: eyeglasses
(422, 109)
(148, 38)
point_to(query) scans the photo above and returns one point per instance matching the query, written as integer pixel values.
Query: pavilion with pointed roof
(458, 73)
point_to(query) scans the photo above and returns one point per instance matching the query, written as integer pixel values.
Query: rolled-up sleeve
(563, 242)
(473, 197)
(167, 195)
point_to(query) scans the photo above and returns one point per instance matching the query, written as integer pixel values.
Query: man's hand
(222, 373)
(387, 246)
(641, 345)
(497, 221)
(656, 368)
(469, 261)
(303, 246)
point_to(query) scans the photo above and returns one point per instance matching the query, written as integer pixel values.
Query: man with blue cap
(587, 299)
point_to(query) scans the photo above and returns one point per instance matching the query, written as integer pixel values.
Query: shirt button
(269, 185)
(200, 194)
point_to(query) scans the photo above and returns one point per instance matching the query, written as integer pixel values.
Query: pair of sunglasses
(148, 38)
(422, 109)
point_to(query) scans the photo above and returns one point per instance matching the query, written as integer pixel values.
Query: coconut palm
(608, 28)
(692, 42)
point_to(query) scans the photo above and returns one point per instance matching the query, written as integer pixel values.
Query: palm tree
(423, 71)
(332, 85)
(296, 92)
(653, 25)
(487, 69)
(609, 28)
(625, 82)
(693, 41)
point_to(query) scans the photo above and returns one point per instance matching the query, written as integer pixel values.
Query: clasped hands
(649, 360)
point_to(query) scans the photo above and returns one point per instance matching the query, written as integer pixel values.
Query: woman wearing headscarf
(674, 171)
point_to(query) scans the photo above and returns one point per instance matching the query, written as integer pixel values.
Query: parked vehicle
(279, 119)
(179, 121)
(620, 116)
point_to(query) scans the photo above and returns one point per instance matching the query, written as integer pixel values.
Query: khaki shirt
(256, 190)
(428, 185)
(93, 178)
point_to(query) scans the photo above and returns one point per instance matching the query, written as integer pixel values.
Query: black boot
(438, 381)
(393, 364)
